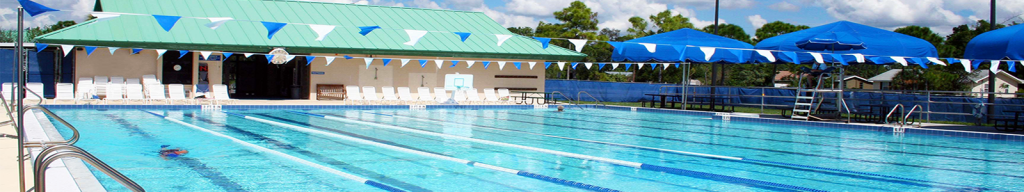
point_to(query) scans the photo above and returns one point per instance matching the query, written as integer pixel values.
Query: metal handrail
(848, 112)
(898, 105)
(912, 112)
(60, 151)
(9, 113)
(591, 96)
(563, 96)
(74, 135)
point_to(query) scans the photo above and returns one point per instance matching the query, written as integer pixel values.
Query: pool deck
(9, 159)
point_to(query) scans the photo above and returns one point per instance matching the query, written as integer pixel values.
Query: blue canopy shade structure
(843, 38)
(1005, 43)
(681, 46)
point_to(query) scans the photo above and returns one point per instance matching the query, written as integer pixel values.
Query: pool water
(576, 150)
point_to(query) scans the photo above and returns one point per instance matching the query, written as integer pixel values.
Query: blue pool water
(457, 150)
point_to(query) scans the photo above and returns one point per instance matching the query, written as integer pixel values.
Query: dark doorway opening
(253, 78)
(177, 70)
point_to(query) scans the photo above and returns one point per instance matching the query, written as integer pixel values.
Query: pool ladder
(898, 126)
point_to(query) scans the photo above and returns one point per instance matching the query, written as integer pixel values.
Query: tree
(612, 34)
(957, 41)
(32, 33)
(524, 31)
(638, 29)
(922, 33)
(776, 28)
(578, 17)
(729, 30)
(666, 22)
(577, 22)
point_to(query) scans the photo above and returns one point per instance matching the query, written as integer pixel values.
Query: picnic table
(664, 97)
(1006, 122)
(706, 100)
(533, 96)
(872, 115)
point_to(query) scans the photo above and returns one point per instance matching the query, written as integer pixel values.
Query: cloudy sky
(940, 15)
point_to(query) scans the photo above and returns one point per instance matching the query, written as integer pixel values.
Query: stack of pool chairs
(367, 95)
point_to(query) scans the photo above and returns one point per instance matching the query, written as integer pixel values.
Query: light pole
(991, 73)
(20, 96)
(714, 67)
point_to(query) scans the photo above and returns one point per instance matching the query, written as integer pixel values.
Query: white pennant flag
(104, 16)
(900, 60)
(414, 36)
(936, 61)
(995, 66)
(817, 58)
(860, 58)
(579, 43)
(639, 65)
(160, 53)
(502, 38)
(288, 58)
(67, 49)
(561, 66)
(247, 55)
(767, 54)
(470, 64)
(404, 61)
(650, 47)
(439, 63)
(206, 54)
(665, 66)
(112, 50)
(615, 65)
(588, 65)
(329, 60)
(215, 22)
(708, 52)
(501, 65)
(322, 31)
(532, 64)
(368, 62)
(967, 64)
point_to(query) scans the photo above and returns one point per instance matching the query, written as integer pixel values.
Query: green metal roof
(137, 31)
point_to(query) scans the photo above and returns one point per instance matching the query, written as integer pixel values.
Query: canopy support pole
(991, 73)
(714, 66)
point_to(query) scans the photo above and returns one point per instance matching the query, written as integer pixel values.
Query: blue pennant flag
(518, 64)
(791, 56)
(227, 55)
(952, 60)
(423, 63)
(347, 57)
(137, 50)
(309, 59)
(272, 28)
(486, 63)
(739, 55)
(1013, 65)
(167, 22)
(976, 63)
(89, 49)
(41, 46)
(269, 57)
(543, 41)
(919, 62)
(386, 61)
(463, 35)
(839, 58)
(34, 8)
(617, 45)
(364, 30)
(627, 66)
(677, 65)
(454, 62)
(574, 65)
(547, 64)
(600, 65)
(181, 53)
(682, 52)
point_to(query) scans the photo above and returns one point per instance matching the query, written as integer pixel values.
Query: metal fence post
(928, 106)
(762, 100)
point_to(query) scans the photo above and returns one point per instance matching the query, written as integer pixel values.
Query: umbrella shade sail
(846, 38)
(998, 44)
(681, 46)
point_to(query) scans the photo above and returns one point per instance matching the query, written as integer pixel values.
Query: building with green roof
(252, 77)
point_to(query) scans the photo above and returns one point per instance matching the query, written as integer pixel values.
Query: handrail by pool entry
(637, 165)
(74, 131)
(9, 113)
(898, 105)
(283, 155)
(566, 98)
(433, 155)
(912, 112)
(849, 113)
(591, 96)
(60, 151)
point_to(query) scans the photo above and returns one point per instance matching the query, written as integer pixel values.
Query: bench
(330, 92)
(1008, 125)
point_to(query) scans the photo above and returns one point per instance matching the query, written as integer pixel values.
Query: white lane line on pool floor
(282, 155)
(637, 165)
(422, 153)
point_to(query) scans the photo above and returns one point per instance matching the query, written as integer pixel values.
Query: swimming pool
(526, 150)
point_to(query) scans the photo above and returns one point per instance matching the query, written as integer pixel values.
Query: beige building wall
(1001, 80)
(355, 72)
(121, 64)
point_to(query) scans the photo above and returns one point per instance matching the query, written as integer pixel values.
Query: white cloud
(76, 10)
(893, 13)
(697, 23)
(507, 20)
(425, 4)
(537, 8)
(784, 6)
(728, 4)
(757, 21)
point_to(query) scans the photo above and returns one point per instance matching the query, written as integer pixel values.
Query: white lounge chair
(100, 85)
(405, 96)
(35, 91)
(114, 93)
(352, 92)
(474, 97)
(7, 89)
(116, 81)
(504, 95)
(134, 93)
(65, 91)
(85, 90)
(220, 93)
(176, 92)
(424, 94)
(460, 95)
(156, 93)
(133, 81)
(389, 95)
(489, 96)
(150, 80)
(370, 94)
(440, 94)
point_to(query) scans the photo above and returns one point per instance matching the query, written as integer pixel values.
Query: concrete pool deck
(9, 159)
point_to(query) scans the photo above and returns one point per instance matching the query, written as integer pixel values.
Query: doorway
(177, 69)
(254, 78)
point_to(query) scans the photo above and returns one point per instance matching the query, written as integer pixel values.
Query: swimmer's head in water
(561, 108)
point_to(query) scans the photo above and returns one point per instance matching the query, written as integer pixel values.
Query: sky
(940, 15)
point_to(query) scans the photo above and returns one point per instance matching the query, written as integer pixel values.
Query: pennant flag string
(321, 31)
(34, 8)
(89, 49)
(309, 59)
(167, 22)
(463, 35)
(272, 28)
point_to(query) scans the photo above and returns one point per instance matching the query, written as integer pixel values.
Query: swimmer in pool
(164, 152)
(561, 109)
